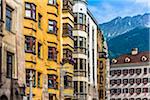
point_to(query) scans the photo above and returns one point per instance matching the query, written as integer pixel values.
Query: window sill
(52, 60)
(52, 33)
(56, 6)
(30, 52)
(30, 19)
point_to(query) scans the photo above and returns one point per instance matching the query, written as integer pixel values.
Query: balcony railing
(81, 27)
(80, 50)
(80, 73)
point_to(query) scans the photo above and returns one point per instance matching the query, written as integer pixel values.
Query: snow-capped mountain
(123, 34)
(120, 25)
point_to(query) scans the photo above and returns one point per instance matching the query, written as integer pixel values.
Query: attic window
(127, 59)
(144, 58)
(114, 61)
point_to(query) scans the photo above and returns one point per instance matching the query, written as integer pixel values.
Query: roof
(128, 58)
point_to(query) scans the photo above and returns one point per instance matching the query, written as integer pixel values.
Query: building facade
(129, 76)
(103, 68)
(42, 30)
(85, 52)
(12, 69)
(68, 50)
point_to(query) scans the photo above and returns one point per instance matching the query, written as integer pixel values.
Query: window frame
(9, 18)
(32, 10)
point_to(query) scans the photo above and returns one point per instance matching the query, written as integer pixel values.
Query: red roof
(133, 58)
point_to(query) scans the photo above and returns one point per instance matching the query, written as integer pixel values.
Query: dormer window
(114, 61)
(144, 58)
(127, 59)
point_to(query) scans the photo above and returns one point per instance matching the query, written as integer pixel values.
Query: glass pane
(28, 13)
(28, 6)
(50, 1)
(50, 28)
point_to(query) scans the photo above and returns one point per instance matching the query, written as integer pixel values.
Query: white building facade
(85, 56)
(129, 77)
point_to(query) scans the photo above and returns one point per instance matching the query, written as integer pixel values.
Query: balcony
(68, 6)
(102, 55)
(80, 73)
(68, 60)
(80, 50)
(81, 27)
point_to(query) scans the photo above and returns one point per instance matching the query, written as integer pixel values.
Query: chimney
(134, 51)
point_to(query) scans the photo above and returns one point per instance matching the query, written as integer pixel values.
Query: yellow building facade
(68, 49)
(43, 47)
(101, 70)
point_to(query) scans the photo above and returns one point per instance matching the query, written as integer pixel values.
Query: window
(118, 81)
(39, 20)
(67, 54)
(53, 2)
(131, 71)
(138, 90)
(30, 10)
(145, 90)
(39, 50)
(131, 91)
(138, 81)
(145, 70)
(75, 41)
(125, 72)
(81, 18)
(118, 91)
(81, 87)
(75, 18)
(81, 64)
(131, 81)
(118, 72)
(67, 81)
(101, 95)
(52, 83)
(8, 18)
(76, 64)
(0, 64)
(125, 81)
(138, 71)
(145, 81)
(125, 90)
(52, 26)
(67, 29)
(101, 65)
(75, 87)
(9, 64)
(28, 77)
(1, 10)
(52, 53)
(39, 79)
(30, 44)
(81, 41)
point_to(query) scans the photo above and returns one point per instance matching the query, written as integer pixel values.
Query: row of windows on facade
(30, 47)
(52, 80)
(131, 91)
(131, 81)
(125, 72)
(129, 99)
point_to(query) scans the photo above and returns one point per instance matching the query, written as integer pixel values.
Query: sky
(106, 10)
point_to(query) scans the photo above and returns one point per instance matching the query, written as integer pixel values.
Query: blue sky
(106, 10)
